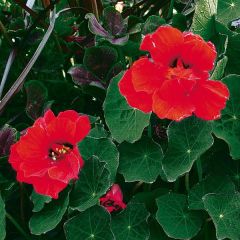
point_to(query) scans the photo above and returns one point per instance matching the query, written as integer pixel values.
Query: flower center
(59, 150)
(180, 70)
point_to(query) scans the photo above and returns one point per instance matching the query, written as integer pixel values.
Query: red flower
(113, 199)
(174, 82)
(47, 155)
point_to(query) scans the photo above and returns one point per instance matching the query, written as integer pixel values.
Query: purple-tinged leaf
(36, 97)
(7, 138)
(114, 22)
(119, 41)
(99, 60)
(81, 76)
(95, 27)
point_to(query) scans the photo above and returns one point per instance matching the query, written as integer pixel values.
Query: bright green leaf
(175, 218)
(218, 72)
(39, 201)
(228, 127)
(92, 184)
(228, 10)
(104, 149)
(224, 211)
(203, 21)
(140, 161)
(94, 223)
(187, 140)
(131, 223)
(49, 217)
(125, 123)
(212, 184)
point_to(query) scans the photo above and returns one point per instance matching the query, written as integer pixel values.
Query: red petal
(210, 98)
(34, 144)
(62, 130)
(139, 100)
(70, 114)
(172, 101)
(83, 127)
(164, 45)
(115, 193)
(146, 76)
(67, 168)
(198, 53)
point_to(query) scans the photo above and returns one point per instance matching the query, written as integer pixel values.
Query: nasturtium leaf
(94, 223)
(175, 218)
(104, 149)
(149, 198)
(39, 201)
(228, 127)
(228, 10)
(232, 53)
(95, 27)
(140, 161)
(81, 76)
(99, 60)
(156, 231)
(179, 21)
(2, 219)
(50, 216)
(125, 123)
(218, 72)
(131, 223)
(113, 21)
(152, 23)
(187, 140)
(93, 182)
(98, 131)
(37, 95)
(8, 136)
(224, 209)
(220, 42)
(211, 184)
(203, 21)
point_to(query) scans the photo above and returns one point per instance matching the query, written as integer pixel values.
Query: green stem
(176, 185)
(199, 169)
(170, 11)
(95, 8)
(18, 227)
(187, 182)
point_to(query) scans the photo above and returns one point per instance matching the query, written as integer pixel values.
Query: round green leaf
(224, 211)
(125, 123)
(2, 219)
(212, 184)
(48, 218)
(228, 127)
(203, 21)
(140, 161)
(131, 223)
(187, 140)
(92, 184)
(104, 149)
(94, 223)
(175, 218)
(228, 10)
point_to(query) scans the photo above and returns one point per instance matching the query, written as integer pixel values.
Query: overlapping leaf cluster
(180, 180)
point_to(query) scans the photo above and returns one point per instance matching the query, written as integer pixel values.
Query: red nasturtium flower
(174, 83)
(47, 155)
(113, 199)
